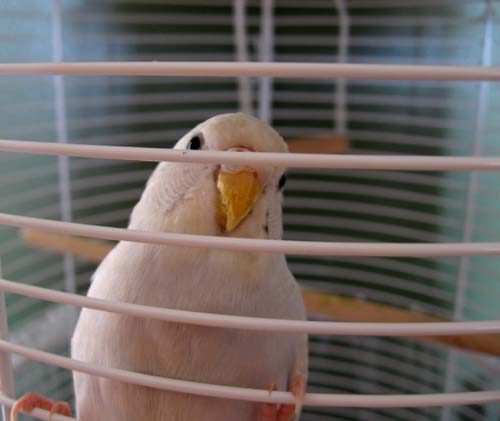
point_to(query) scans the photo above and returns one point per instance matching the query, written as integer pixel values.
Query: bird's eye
(195, 143)
(282, 182)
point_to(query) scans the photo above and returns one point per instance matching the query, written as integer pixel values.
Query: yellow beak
(238, 192)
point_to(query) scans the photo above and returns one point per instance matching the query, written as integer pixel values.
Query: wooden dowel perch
(328, 144)
(84, 248)
(349, 309)
(322, 304)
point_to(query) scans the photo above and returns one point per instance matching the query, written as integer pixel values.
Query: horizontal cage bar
(254, 323)
(304, 248)
(256, 395)
(253, 69)
(346, 162)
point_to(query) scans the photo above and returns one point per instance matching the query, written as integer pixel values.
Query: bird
(204, 199)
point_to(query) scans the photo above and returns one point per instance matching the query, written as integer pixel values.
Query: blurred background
(377, 117)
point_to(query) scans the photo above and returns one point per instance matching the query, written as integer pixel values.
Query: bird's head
(215, 199)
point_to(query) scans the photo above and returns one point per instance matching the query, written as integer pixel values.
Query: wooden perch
(329, 144)
(349, 309)
(84, 248)
(319, 303)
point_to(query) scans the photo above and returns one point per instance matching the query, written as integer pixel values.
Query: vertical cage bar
(62, 137)
(266, 54)
(342, 57)
(486, 60)
(6, 371)
(241, 46)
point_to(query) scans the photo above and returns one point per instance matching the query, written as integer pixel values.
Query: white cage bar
(289, 160)
(246, 69)
(252, 69)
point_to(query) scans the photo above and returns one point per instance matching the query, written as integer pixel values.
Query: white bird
(204, 199)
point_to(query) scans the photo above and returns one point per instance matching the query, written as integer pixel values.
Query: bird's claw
(272, 388)
(299, 390)
(31, 401)
(61, 408)
(286, 412)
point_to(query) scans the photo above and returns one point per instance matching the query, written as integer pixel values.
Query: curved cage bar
(348, 206)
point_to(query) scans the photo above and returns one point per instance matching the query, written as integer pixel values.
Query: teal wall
(388, 117)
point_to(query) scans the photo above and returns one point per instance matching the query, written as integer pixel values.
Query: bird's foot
(31, 401)
(286, 412)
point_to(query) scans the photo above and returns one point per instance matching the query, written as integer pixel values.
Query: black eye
(282, 182)
(195, 143)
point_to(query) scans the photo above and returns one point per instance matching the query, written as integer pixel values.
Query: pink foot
(31, 401)
(270, 411)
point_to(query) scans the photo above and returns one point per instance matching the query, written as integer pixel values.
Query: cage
(362, 115)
